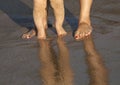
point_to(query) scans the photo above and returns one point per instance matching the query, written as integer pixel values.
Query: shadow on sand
(17, 11)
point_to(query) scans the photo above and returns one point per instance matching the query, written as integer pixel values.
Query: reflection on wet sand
(55, 69)
(96, 68)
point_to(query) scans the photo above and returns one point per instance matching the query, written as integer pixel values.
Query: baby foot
(61, 32)
(41, 34)
(83, 31)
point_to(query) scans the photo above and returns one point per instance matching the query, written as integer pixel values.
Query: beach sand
(55, 61)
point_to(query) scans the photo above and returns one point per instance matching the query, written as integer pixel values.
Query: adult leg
(84, 28)
(58, 8)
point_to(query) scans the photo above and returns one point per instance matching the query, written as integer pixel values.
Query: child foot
(29, 34)
(41, 34)
(61, 32)
(83, 31)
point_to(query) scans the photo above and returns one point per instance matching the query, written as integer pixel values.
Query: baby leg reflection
(55, 69)
(47, 59)
(64, 63)
(97, 70)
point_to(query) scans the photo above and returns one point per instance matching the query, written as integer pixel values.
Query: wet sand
(93, 61)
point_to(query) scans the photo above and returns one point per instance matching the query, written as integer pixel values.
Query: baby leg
(40, 17)
(58, 8)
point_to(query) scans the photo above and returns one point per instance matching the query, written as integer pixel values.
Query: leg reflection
(96, 68)
(55, 69)
(47, 71)
(64, 63)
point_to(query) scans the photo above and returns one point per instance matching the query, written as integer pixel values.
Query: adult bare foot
(29, 34)
(83, 31)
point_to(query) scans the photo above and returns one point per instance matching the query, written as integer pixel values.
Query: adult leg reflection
(96, 68)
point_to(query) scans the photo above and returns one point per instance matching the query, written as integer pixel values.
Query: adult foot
(83, 31)
(29, 34)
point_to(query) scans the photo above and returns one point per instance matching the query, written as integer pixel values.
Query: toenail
(76, 36)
